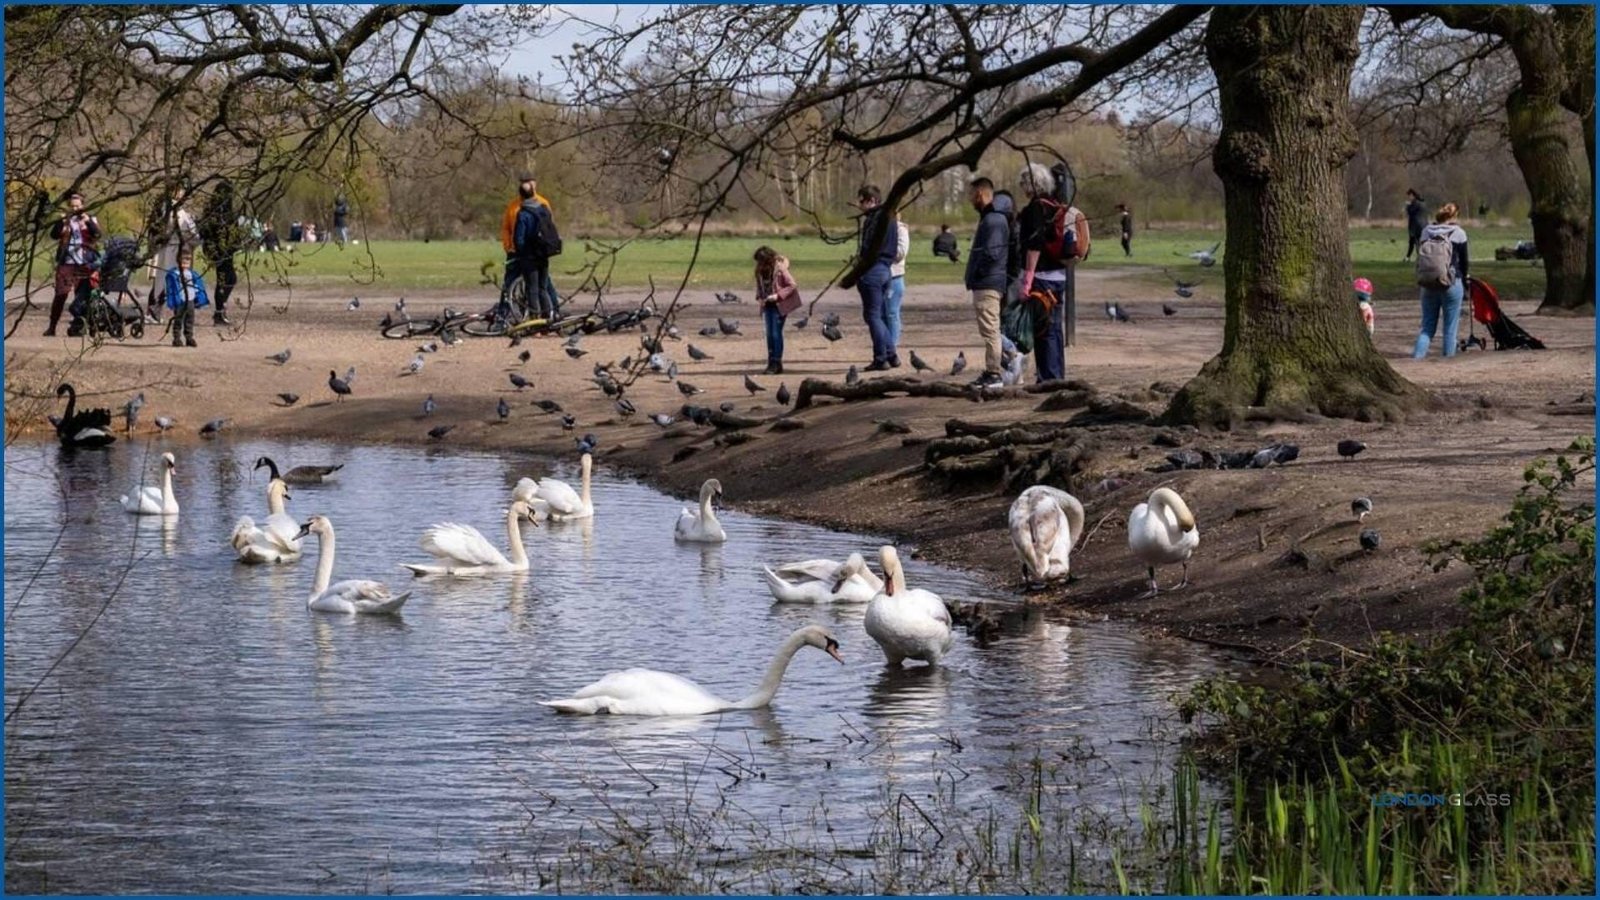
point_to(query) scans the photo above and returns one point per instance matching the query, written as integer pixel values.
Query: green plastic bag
(1016, 320)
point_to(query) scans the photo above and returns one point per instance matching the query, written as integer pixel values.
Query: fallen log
(876, 388)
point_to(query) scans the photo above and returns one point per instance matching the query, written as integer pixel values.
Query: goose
(275, 539)
(310, 474)
(1161, 531)
(149, 500)
(463, 550)
(90, 428)
(702, 526)
(646, 692)
(562, 501)
(907, 623)
(353, 596)
(1045, 522)
(823, 581)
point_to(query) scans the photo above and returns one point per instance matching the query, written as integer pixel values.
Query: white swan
(907, 623)
(276, 538)
(353, 596)
(527, 490)
(702, 526)
(1162, 531)
(646, 692)
(463, 550)
(562, 501)
(1045, 522)
(150, 500)
(823, 581)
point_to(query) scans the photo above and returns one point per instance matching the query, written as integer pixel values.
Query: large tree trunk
(1293, 339)
(1560, 192)
(1575, 24)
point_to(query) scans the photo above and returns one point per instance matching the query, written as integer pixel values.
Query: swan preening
(463, 550)
(277, 538)
(90, 428)
(646, 692)
(702, 526)
(823, 581)
(527, 490)
(561, 502)
(149, 500)
(1162, 531)
(353, 596)
(907, 623)
(1045, 523)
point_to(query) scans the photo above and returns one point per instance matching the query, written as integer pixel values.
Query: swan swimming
(150, 500)
(275, 539)
(1045, 522)
(702, 526)
(646, 692)
(820, 581)
(353, 596)
(86, 428)
(1162, 531)
(562, 501)
(463, 550)
(907, 623)
(527, 490)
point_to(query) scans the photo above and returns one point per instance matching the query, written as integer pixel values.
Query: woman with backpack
(1441, 274)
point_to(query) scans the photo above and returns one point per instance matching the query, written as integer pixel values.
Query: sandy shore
(1449, 473)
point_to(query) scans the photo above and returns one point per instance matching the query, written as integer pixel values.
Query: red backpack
(1066, 243)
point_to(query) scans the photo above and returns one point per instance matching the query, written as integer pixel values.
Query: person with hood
(986, 274)
(944, 244)
(508, 225)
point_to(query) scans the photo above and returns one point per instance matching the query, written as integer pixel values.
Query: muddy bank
(1278, 567)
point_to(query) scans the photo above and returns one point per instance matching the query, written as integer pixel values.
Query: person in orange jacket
(508, 227)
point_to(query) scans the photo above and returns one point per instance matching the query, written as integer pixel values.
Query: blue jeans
(874, 288)
(774, 323)
(1445, 301)
(1050, 335)
(897, 292)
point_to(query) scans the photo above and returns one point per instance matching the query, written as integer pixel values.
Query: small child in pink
(1364, 300)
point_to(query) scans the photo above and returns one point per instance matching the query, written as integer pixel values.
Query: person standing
(1416, 219)
(944, 244)
(897, 281)
(77, 235)
(1441, 274)
(874, 283)
(1048, 235)
(185, 292)
(341, 220)
(222, 236)
(508, 224)
(177, 227)
(1125, 217)
(532, 253)
(779, 296)
(986, 276)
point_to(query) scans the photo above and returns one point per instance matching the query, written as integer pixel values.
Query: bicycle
(446, 321)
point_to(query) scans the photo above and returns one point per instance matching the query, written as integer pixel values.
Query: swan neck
(586, 467)
(167, 500)
(769, 685)
(706, 515)
(72, 403)
(274, 500)
(324, 565)
(519, 555)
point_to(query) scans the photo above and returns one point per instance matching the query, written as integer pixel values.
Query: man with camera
(76, 235)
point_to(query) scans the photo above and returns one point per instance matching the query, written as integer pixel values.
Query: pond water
(211, 734)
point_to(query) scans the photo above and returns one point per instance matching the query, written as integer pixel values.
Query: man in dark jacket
(874, 283)
(944, 244)
(221, 236)
(987, 275)
(341, 220)
(76, 235)
(532, 258)
(1416, 218)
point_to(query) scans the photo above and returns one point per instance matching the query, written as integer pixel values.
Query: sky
(533, 57)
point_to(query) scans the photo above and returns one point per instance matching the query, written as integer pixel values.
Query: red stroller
(1507, 334)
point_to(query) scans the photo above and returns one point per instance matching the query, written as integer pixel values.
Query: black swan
(90, 428)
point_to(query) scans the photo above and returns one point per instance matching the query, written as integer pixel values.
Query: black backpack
(547, 241)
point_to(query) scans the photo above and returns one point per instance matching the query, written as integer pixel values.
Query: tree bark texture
(1293, 340)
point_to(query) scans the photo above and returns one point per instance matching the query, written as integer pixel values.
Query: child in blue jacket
(186, 292)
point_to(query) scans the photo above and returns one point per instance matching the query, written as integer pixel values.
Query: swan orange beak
(833, 651)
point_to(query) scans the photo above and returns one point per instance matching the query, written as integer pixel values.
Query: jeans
(774, 322)
(1050, 335)
(874, 288)
(897, 293)
(341, 234)
(987, 305)
(550, 291)
(1445, 301)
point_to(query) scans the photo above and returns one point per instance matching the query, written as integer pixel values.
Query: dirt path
(1444, 474)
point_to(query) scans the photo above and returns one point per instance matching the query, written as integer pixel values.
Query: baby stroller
(100, 304)
(1507, 334)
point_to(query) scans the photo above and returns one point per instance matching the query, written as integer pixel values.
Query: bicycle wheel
(410, 329)
(483, 326)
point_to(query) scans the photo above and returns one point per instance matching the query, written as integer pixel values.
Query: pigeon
(1167, 310)
(350, 375)
(450, 338)
(919, 364)
(751, 386)
(386, 322)
(726, 406)
(1186, 459)
(576, 352)
(415, 367)
(340, 386)
(130, 411)
(625, 407)
(355, 303)
(1263, 458)
(698, 355)
(687, 389)
(852, 376)
(832, 333)
(519, 382)
(429, 347)
(549, 406)
(960, 365)
(1361, 507)
(428, 406)
(697, 414)
(611, 388)
(650, 345)
(802, 322)
(568, 421)
(400, 305)
(709, 331)
(1206, 258)
(727, 297)
(1369, 539)
(524, 356)
(673, 333)
(664, 156)
(289, 399)
(1349, 448)
(503, 408)
(164, 423)
(439, 431)
(672, 371)
(1116, 313)
(282, 357)
(657, 362)
(1287, 453)
(783, 394)
(662, 419)
(728, 327)
(602, 370)
(587, 443)
(831, 319)
(626, 362)
(516, 341)
(574, 338)
(211, 428)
